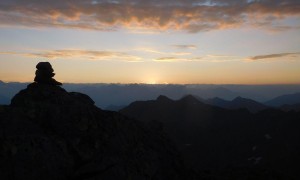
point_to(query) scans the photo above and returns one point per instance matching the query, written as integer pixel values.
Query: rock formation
(48, 133)
(44, 74)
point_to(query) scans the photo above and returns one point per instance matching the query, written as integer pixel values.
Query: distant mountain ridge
(237, 103)
(288, 99)
(114, 96)
(232, 144)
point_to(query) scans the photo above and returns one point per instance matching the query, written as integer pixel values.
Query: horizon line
(183, 84)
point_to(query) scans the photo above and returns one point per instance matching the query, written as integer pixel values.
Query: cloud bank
(189, 15)
(79, 54)
(75, 54)
(275, 56)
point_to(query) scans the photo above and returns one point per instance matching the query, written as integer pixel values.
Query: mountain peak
(163, 98)
(190, 99)
(238, 98)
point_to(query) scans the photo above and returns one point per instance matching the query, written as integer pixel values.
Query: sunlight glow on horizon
(186, 43)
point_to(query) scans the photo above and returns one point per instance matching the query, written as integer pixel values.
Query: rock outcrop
(44, 74)
(48, 133)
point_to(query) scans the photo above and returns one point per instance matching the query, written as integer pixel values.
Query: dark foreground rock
(44, 74)
(47, 133)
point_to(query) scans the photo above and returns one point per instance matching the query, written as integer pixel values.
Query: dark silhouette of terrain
(227, 144)
(48, 133)
(113, 96)
(294, 107)
(288, 99)
(237, 103)
(44, 74)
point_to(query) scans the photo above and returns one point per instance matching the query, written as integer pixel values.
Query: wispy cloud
(154, 51)
(201, 58)
(185, 46)
(169, 59)
(196, 59)
(107, 15)
(174, 59)
(274, 56)
(81, 54)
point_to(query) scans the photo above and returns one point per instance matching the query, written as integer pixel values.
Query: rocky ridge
(49, 133)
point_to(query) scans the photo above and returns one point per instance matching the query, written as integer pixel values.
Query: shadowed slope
(232, 144)
(48, 133)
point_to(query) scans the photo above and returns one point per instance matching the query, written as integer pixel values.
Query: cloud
(154, 51)
(228, 58)
(169, 59)
(110, 15)
(204, 58)
(185, 46)
(81, 54)
(274, 56)
(177, 59)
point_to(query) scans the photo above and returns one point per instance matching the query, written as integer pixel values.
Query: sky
(152, 41)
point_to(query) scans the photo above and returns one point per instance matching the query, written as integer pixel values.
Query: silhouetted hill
(294, 107)
(216, 101)
(288, 99)
(237, 103)
(48, 133)
(227, 144)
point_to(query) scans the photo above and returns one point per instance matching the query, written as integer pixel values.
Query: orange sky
(139, 41)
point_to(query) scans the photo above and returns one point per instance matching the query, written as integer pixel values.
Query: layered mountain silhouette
(288, 99)
(237, 103)
(227, 144)
(113, 96)
(48, 133)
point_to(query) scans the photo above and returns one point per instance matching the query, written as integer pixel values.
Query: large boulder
(44, 74)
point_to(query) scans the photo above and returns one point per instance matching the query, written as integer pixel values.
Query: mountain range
(287, 99)
(227, 144)
(237, 103)
(116, 96)
(49, 133)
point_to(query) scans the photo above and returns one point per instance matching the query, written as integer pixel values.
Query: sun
(151, 81)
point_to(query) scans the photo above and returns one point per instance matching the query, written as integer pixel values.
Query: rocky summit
(44, 74)
(48, 133)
